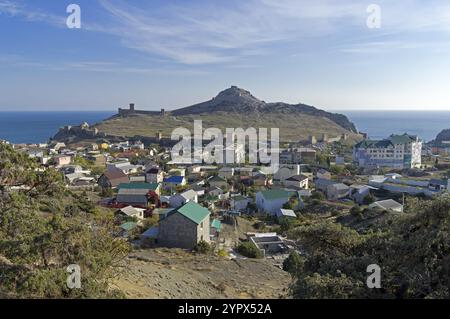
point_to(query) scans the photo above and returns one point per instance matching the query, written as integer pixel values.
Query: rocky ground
(174, 273)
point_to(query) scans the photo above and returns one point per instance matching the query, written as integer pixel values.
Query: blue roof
(174, 179)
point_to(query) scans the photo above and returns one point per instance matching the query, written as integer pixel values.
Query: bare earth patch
(174, 273)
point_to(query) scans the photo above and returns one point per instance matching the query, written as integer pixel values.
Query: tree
(293, 263)
(412, 249)
(44, 229)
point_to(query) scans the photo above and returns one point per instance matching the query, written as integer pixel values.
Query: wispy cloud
(221, 32)
(19, 10)
(207, 32)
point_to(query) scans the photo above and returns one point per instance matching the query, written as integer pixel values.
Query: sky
(335, 55)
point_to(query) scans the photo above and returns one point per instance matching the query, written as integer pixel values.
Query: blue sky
(176, 53)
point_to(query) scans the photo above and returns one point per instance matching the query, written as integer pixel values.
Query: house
(226, 172)
(61, 160)
(337, 191)
(154, 175)
(299, 181)
(217, 181)
(323, 174)
(321, 184)
(179, 200)
(270, 201)
(396, 151)
(124, 166)
(388, 204)
(112, 178)
(284, 172)
(359, 192)
(215, 191)
(139, 194)
(174, 181)
(239, 203)
(285, 214)
(131, 211)
(185, 227)
(260, 179)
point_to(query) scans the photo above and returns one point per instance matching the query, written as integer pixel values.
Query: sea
(38, 127)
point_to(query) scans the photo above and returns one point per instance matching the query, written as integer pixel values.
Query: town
(241, 210)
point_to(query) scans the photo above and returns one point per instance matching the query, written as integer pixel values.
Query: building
(133, 212)
(174, 181)
(112, 178)
(269, 243)
(239, 203)
(179, 200)
(61, 160)
(154, 175)
(270, 201)
(397, 151)
(388, 204)
(217, 181)
(298, 181)
(284, 172)
(185, 227)
(138, 194)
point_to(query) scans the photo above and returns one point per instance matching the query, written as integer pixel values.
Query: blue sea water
(38, 127)
(377, 124)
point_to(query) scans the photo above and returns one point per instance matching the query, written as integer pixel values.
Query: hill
(232, 108)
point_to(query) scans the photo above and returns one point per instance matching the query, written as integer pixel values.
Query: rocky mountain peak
(236, 95)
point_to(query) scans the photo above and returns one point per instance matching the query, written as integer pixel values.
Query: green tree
(44, 229)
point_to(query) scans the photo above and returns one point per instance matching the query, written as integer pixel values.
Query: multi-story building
(397, 151)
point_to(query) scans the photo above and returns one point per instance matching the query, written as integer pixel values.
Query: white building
(270, 201)
(397, 151)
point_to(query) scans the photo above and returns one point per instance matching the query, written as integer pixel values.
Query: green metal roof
(192, 211)
(216, 224)
(276, 194)
(150, 186)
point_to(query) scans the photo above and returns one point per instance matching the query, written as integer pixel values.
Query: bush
(202, 247)
(293, 263)
(222, 253)
(249, 250)
(318, 195)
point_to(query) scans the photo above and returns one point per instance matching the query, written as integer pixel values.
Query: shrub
(222, 253)
(293, 263)
(202, 247)
(249, 250)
